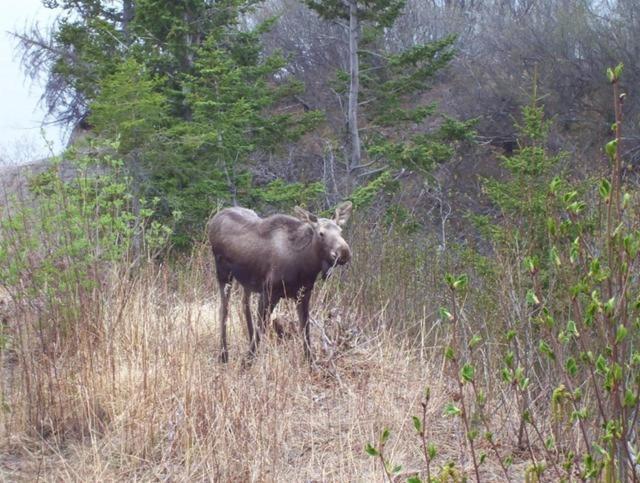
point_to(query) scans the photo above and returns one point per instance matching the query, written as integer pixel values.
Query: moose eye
(321, 234)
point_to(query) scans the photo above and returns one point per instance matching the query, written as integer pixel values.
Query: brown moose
(278, 256)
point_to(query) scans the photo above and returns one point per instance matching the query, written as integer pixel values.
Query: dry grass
(142, 396)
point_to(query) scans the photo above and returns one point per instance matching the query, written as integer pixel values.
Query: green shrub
(57, 246)
(566, 263)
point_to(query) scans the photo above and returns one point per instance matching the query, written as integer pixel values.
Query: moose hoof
(223, 357)
(279, 329)
(248, 359)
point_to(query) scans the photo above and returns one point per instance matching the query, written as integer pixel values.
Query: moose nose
(341, 256)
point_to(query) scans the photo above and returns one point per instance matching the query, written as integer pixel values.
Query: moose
(277, 257)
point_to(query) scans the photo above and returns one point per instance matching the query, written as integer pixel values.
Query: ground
(143, 397)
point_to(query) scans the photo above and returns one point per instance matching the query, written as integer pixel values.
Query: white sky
(21, 117)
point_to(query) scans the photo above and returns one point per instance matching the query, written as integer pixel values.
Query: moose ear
(343, 212)
(304, 215)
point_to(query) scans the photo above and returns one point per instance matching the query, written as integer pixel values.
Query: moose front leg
(303, 316)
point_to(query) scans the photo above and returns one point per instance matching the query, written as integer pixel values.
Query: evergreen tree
(85, 46)
(392, 86)
(187, 94)
(202, 162)
(381, 84)
(532, 195)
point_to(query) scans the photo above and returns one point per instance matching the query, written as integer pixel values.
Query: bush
(57, 247)
(566, 284)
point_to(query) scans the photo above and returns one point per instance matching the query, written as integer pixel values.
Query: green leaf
(610, 75)
(449, 353)
(532, 298)
(603, 452)
(577, 394)
(384, 437)
(417, 424)
(449, 280)
(631, 245)
(559, 393)
(605, 189)
(571, 366)
(618, 230)
(452, 410)
(506, 375)
(570, 197)
(461, 282)
(475, 340)
(617, 71)
(467, 373)
(530, 264)
(509, 358)
(432, 450)
(630, 398)
(555, 185)
(571, 329)
(414, 479)
(574, 250)
(611, 148)
(617, 372)
(601, 365)
(546, 350)
(576, 207)
(445, 314)
(610, 306)
(371, 451)
(621, 333)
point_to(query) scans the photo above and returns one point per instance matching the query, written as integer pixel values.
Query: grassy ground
(143, 397)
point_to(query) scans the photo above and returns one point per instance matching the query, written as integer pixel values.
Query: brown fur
(276, 257)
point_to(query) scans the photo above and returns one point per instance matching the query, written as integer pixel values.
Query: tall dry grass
(138, 393)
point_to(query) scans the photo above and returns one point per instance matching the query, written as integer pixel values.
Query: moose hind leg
(266, 304)
(225, 293)
(254, 333)
(225, 279)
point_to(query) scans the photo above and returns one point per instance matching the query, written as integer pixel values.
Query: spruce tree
(385, 89)
(379, 13)
(187, 94)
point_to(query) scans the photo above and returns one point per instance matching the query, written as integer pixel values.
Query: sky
(21, 116)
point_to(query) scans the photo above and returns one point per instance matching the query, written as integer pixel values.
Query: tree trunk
(128, 12)
(354, 85)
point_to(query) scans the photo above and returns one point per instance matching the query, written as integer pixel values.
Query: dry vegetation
(109, 352)
(139, 394)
